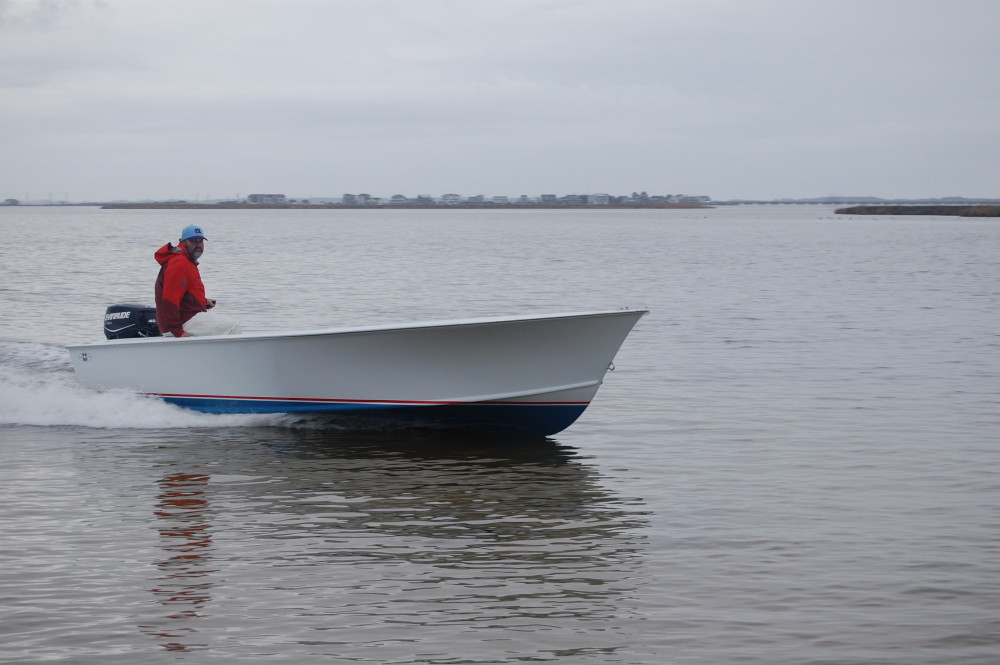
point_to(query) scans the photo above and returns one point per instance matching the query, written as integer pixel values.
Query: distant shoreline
(953, 210)
(415, 206)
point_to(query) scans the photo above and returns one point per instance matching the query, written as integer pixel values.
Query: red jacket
(180, 293)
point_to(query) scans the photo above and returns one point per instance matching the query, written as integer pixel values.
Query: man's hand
(209, 304)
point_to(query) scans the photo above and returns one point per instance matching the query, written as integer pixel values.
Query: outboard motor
(129, 320)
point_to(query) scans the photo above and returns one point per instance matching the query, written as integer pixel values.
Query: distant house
(398, 199)
(451, 199)
(11, 202)
(267, 198)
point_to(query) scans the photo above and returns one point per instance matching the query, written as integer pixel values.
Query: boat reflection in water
(340, 544)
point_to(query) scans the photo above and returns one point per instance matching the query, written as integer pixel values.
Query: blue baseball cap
(192, 231)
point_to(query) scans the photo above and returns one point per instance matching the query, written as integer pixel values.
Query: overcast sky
(196, 99)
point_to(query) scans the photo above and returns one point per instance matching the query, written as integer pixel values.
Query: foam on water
(37, 387)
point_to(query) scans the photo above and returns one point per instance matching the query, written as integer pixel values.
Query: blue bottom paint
(536, 420)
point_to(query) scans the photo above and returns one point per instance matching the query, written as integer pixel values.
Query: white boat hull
(531, 374)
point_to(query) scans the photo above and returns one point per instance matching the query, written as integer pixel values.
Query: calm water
(796, 460)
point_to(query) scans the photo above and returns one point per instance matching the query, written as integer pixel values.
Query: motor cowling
(126, 320)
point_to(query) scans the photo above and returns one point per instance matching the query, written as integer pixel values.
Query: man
(181, 305)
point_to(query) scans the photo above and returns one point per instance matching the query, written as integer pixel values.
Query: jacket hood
(168, 251)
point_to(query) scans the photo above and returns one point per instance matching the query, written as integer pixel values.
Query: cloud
(40, 15)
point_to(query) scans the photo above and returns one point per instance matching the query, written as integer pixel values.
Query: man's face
(194, 246)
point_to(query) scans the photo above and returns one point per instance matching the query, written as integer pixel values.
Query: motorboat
(531, 374)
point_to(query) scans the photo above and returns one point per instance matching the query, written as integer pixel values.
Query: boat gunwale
(351, 330)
